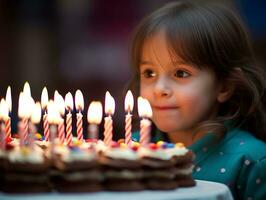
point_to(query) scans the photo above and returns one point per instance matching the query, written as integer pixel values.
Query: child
(194, 64)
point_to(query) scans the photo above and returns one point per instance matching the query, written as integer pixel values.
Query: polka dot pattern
(247, 162)
(222, 170)
(198, 169)
(258, 181)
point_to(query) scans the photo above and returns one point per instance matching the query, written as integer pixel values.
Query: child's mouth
(165, 108)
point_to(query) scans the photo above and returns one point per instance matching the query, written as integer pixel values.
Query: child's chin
(166, 128)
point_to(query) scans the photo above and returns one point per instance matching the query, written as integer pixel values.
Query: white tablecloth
(204, 190)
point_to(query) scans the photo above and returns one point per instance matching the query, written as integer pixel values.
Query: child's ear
(227, 87)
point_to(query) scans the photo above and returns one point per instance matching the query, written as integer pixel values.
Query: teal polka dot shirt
(237, 160)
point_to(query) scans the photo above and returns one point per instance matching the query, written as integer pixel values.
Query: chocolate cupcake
(183, 162)
(75, 169)
(121, 168)
(159, 170)
(26, 171)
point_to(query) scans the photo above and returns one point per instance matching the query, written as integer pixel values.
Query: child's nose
(162, 87)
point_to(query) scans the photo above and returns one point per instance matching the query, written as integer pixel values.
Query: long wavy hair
(211, 36)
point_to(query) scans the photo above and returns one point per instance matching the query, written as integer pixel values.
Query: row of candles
(30, 113)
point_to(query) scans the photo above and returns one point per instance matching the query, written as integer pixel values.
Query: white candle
(94, 117)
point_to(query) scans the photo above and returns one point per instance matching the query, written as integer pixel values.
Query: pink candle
(128, 128)
(145, 112)
(129, 103)
(60, 104)
(69, 136)
(145, 127)
(2, 136)
(46, 127)
(79, 126)
(32, 131)
(8, 120)
(108, 130)
(23, 131)
(61, 131)
(108, 122)
(8, 128)
(79, 102)
(69, 107)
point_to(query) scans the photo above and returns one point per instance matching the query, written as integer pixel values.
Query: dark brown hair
(211, 36)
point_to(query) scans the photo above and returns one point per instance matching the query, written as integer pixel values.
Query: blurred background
(84, 44)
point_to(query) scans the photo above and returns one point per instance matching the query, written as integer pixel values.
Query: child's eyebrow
(144, 62)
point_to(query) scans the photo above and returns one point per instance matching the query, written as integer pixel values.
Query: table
(204, 190)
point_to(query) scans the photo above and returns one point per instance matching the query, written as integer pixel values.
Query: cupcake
(76, 169)
(159, 170)
(121, 168)
(26, 170)
(183, 162)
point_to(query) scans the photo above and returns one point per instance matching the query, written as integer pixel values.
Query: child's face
(181, 95)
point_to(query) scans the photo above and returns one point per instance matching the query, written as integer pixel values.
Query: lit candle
(129, 103)
(59, 100)
(53, 117)
(8, 120)
(24, 112)
(35, 119)
(145, 112)
(94, 117)
(108, 122)
(69, 107)
(79, 103)
(3, 118)
(44, 103)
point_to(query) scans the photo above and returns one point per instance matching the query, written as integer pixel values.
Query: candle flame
(69, 101)
(44, 98)
(53, 113)
(9, 99)
(129, 101)
(21, 108)
(95, 112)
(36, 113)
(3, 110)
(60, 103)
(25, 105)
(79, 100)
(144, 108)
(109, 104)
(26, 89)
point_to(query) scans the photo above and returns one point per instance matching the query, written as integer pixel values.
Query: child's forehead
(156, 49)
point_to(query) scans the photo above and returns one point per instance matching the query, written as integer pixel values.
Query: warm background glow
(83, 44)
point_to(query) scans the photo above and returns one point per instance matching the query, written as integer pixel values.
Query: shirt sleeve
(255, 187)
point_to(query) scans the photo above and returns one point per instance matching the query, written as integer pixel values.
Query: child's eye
(148, 73)
(181, 74)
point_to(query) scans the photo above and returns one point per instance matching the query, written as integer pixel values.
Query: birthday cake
(57, 161)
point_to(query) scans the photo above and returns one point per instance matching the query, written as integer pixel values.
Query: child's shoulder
(243, 142)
